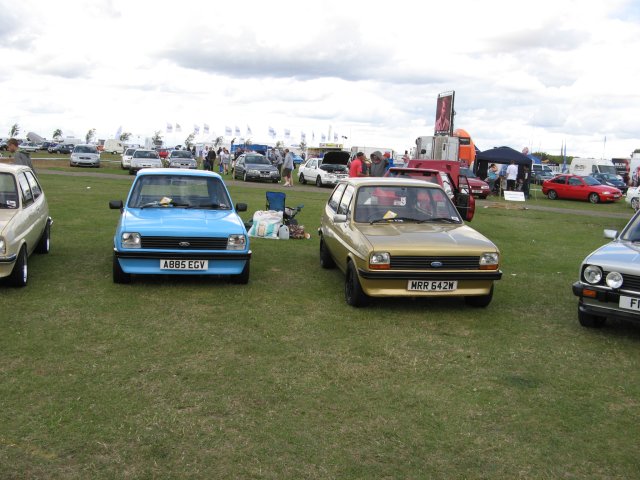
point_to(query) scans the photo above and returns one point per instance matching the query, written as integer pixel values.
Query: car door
(344, 230)
(331, 231)
(576, 189)
(40, 201)
(28, 227)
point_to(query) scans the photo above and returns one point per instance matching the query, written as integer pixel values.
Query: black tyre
(20, 273)
(44, 244)
(594, 198)
(243, 278)
(353, 293)
(326, 260)
(590, 321)
(119, 276)
(635, 203)
(480, 301)
(301, 179)
(552, 195)
(318, 181)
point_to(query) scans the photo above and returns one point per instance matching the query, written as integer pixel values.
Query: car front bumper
(391, 283)
(148, 262)
(606, 302)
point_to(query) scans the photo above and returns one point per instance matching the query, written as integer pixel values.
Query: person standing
(19, 157)
(210, 160)
(492, 176)
(512, 175)
(379, 164)
(356, 169)
(526, 180)
(287, 168)
(224, 159)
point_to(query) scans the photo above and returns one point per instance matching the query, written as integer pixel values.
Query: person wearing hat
(19, 158)
(379, 164)
(356, 169)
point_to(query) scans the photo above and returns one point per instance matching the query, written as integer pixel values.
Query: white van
(114, 146)
(589, 166)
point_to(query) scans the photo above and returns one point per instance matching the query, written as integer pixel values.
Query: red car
(163, 152)
(576, 187)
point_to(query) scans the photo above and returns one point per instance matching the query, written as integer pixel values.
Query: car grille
(629, 282)
(194, 243)
(425, 263)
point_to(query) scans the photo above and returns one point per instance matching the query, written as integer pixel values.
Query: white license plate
(432, 285)
(629, 303)
(265, 175)
(184, 264)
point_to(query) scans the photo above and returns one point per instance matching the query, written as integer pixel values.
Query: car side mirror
(612, 234)
(241, 207)
(115, 204)
(339, 218)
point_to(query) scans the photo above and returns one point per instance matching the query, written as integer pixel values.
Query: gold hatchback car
(25, 224)
(395, 237)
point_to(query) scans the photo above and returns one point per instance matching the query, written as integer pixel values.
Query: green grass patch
(175, 377)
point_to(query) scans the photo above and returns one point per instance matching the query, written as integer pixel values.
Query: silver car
(609, 285)
(85, 155)
(144, 159)
(182, 159)
(25, 224)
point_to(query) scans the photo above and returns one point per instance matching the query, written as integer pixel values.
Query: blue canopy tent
(499, 155)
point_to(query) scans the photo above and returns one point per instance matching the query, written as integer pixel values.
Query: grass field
(201, 378)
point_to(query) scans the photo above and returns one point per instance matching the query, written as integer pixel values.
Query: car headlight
(606, 192)
(3, 247)
(380, 261)
(592, 274)
(489, 261)
(236, 242)
(131, 240)
(614, 279)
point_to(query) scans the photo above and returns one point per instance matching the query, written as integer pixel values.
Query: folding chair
(276, 201)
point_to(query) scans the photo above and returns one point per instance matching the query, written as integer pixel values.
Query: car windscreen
(590, 181)
(179, 191)
(145, 154)
(130, 151)
(85, 149)
(467, 173)
(404, 204)
(256, 160)
(8, 191)
(180, 154)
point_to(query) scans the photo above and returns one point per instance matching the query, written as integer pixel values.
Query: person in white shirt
(512, 175)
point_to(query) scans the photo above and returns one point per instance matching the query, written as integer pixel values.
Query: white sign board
(513, 196)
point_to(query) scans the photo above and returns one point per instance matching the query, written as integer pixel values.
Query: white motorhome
(589, 166)
(114, 146)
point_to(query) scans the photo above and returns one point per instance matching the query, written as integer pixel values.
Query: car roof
(13, 168)
(388, 181)
(178, 172)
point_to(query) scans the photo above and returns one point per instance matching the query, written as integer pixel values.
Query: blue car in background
(179, 222)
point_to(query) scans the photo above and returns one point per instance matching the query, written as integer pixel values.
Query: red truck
(456, 185)
(479, 188)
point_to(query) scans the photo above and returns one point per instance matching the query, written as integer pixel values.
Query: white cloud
(524, 74)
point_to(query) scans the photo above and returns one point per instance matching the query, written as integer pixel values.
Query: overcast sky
(535, 74)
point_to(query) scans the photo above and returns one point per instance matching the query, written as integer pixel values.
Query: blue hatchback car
(179, 223)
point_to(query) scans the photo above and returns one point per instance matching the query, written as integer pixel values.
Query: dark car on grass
(253, 166)
(611, 180)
